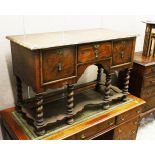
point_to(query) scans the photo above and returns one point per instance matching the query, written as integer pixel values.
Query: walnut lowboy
(49, 61)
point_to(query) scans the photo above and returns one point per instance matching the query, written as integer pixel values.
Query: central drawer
(58, 63)
(92, 131)
(92, 52)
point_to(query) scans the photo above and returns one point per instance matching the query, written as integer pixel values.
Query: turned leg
(39, 120)
(19, 94)
(70, 104)
(126, 85)
(107, 91)
(98, 80)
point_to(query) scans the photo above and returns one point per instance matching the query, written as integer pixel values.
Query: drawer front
(58, 64)
(148, 92)
(129, 114)
(92, 131)
(127, 131)
(149, 81)
(122, 52)
(92, 52)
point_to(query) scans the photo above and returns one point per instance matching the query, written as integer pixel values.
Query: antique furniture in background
(149, 41)
(117, 123)
(142, 81)
(57, 60)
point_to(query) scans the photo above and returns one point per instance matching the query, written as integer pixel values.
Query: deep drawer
(57, 64)
(127, 131)
(148, 92)
(91, 52)
(92, 131)
(149, 81)
(122, 52)
(128, 115)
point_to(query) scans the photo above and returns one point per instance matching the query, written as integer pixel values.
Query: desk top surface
(64, 38)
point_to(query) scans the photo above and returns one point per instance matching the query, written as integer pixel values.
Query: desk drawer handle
(83, 136)
(133, 132)
(110, 123)
(96, 53)
(138, 111)
(136, 122)
(59, 67)
(96, 46)
(119, 130)
(122, 118)
(60, 51)
(122, 54)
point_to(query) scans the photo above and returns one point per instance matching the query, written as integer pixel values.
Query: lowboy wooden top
(55, 39)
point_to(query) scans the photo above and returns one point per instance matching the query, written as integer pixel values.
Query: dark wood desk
(58, 59)
(120, 122)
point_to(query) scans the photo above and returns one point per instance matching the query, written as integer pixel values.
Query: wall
(10, 25)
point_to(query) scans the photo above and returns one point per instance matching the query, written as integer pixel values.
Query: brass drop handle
(96, 46)
(83, 136)
(122, 54)
(136, 122)
(133, 132)
(59, 67)
(110, 123)
(60, 51)
(122, 118)
(138, 111)
(119, 130)
(96, 53)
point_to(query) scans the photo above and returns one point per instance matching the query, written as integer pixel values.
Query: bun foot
(106, 106)
(70, 121)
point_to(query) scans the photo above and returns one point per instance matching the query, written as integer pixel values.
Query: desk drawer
(92, 131)
(128, 115)
(91, 52)
(122, 52)
(127, 131)
(58, 63)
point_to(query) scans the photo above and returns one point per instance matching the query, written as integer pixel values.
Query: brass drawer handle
(96, 52)
(122, 119)
(110, 123)
(122, 54)
(96, 46)
(138, 111)
(59, 67)
(83, 136)
(136, 122)
(60, 51)
(119, 130)
(133, 132)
